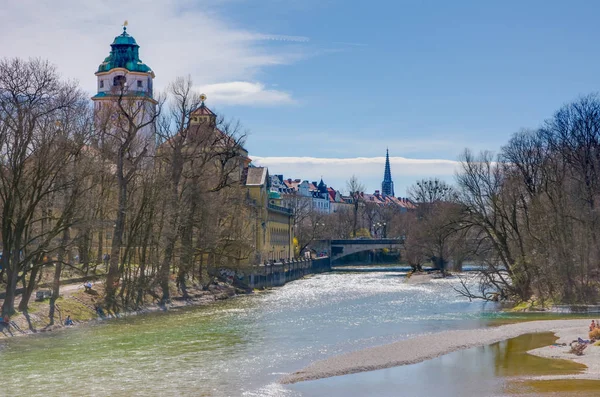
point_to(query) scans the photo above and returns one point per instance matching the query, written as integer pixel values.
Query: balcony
(280, 209)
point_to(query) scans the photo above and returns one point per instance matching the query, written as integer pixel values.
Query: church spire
(387, 186)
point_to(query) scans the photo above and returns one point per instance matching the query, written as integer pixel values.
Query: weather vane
(202, 98)
(125, 25)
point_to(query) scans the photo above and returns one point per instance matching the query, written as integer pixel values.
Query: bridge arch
(342, 248)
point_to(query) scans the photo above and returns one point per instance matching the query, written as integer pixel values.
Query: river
(242, 346)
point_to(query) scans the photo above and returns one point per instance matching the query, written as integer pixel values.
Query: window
(139, 83)
(119, 81)
(101, 83)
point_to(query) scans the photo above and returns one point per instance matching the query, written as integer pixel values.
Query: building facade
(124, 80)
(272, 222)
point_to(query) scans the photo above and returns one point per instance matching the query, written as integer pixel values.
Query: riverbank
(590, 358)
(243, 346)
(80, 304)
(425, 347)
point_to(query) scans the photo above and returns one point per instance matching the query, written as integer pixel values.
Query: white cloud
(245, 93)
(369, 170)
(176, 38)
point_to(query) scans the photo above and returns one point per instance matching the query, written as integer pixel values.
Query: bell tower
(387, 186)
(124, 76)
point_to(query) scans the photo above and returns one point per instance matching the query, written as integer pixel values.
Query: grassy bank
(80, 304)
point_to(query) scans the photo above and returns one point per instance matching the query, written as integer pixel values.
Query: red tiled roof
(332, 194)
(292, 184)
(388, 200)
(203, 111)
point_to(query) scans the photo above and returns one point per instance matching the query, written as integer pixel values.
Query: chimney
(377, 192)
(289, 180)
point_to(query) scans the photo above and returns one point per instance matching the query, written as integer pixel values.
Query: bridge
(339, 248)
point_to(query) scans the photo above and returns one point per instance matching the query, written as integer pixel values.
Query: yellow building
(273, 231)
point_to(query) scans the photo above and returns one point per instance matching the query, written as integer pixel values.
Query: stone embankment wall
(277, 274)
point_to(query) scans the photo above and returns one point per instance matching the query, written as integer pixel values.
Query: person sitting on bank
(99, 310)
(68, 321)
(5, 325)
(88, 286)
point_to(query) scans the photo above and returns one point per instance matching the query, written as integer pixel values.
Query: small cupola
(203, 115)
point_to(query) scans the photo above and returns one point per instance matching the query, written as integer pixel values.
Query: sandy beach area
(425, 347)
(590, 358)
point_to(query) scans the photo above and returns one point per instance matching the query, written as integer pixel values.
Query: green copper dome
(124, 54)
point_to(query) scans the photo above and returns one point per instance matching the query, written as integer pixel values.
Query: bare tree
(126, 126)
(533, 209)
(355, 190)
(314, 226)
(35, 143)
(200, 153)
(438, 219)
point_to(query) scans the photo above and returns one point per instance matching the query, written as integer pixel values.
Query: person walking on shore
(106, 259)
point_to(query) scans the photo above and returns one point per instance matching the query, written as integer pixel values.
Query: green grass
(75, 309)
(36, 307)
(521, 307)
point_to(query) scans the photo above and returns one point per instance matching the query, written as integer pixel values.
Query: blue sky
(324, 86)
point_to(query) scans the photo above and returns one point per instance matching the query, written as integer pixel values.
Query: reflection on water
(558, 388)
(511, 358)
(242, 346)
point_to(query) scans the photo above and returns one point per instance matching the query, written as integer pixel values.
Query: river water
(242, 346)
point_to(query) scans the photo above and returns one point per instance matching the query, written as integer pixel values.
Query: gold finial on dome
(202, 98)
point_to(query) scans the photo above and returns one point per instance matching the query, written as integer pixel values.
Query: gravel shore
(425, 347)
(590, 358)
